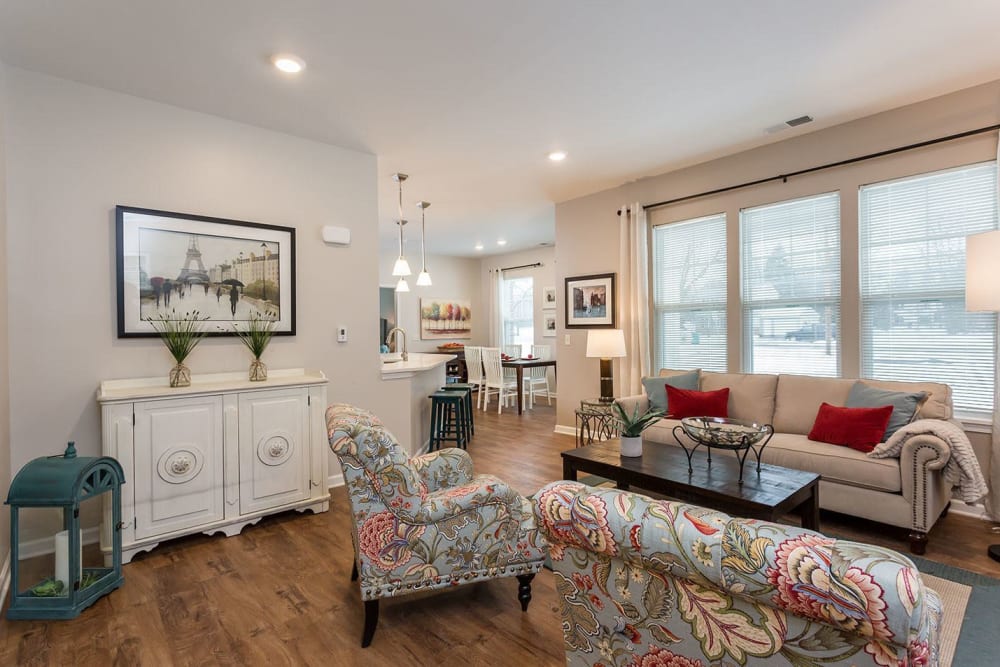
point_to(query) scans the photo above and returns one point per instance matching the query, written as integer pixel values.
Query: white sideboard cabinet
(215, 456)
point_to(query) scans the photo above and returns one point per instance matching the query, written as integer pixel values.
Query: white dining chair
(514, 352)
(474, 368)
(536, 377)
(494, 380)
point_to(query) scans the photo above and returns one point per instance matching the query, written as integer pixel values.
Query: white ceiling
(468, 97)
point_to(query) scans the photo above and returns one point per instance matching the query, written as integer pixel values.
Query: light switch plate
(341, 334)
(566, 339)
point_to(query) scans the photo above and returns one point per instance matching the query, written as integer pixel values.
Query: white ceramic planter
(631, 446)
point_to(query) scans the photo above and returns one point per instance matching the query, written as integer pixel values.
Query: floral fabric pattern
(426, 522)
(651, 583)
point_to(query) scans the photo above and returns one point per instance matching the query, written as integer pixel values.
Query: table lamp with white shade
(982, 289)
(606, 344)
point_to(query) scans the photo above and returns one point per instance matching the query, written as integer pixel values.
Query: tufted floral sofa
(663, 584)
(427, 522)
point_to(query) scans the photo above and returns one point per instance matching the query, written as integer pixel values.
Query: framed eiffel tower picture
(226, 270)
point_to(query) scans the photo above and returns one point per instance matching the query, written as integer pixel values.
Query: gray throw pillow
(656, 387)
(904, 404)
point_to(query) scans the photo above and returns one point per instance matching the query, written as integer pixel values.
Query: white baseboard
(335, 480)
(565, 430)
(4, 579)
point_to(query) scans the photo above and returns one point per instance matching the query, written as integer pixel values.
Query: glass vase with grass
(181, 335)
(256, 334)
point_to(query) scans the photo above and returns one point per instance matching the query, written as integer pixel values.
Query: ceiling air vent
(795, 122)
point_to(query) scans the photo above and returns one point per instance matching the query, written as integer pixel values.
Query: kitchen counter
(418, 362)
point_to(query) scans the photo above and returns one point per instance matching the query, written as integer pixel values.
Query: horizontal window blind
(689, 294)
(791, 286)
(913, 320)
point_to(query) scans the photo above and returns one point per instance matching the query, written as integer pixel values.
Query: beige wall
(587, 228)
(73, 153)
(5, 471)
(453, 278)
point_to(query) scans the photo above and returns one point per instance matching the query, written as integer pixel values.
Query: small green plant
(257, 332)
(180, 334)
(633, 425)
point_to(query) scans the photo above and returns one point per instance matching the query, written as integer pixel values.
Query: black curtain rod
(784, 177)
(523, 266)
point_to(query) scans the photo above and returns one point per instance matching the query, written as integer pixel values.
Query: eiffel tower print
(188, 274)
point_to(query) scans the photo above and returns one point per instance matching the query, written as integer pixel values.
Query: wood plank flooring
(280, 593)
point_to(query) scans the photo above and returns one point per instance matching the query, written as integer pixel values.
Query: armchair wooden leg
(371, 620)
(354, 571)
(524, 589)
(918, 542)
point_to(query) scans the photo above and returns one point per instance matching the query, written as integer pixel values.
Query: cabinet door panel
(178, 450)
(274, 449)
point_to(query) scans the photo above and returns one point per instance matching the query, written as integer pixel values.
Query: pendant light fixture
(424, 279)
(401, 267)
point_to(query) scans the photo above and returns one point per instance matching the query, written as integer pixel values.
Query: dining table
(519, 365)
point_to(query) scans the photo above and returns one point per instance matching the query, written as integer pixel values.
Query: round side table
(595, 420)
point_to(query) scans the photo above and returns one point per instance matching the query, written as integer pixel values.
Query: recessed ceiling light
(501, 242)
(288, 63)
(479, 246)
(557, 156)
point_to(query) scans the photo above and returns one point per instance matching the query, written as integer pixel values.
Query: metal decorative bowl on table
(735, 435)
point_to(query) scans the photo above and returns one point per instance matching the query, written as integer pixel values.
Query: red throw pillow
(857, 428)
(690, 403)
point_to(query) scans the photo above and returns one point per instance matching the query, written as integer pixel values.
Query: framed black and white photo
(227, 270)
(548, 325)
(590, 301)
(548, 298)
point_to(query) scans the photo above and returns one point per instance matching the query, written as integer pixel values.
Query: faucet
(389, 337)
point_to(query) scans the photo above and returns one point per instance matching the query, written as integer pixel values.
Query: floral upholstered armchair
(660, 583)
(426, 522)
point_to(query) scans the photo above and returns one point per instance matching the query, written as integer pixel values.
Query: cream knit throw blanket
(962, 468)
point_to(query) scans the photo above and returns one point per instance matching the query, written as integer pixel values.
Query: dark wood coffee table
(769, 494)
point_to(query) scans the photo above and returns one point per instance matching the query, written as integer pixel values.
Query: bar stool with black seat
(448, 420)
(467, 388)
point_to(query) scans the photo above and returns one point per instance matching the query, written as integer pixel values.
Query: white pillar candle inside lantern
(62, 559)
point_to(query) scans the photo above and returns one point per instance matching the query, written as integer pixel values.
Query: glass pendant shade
(402, 285)
(401, 267)
(424, 279)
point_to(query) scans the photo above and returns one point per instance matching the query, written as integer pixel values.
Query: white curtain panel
(495, 305)
(633, 272)
(993, 500)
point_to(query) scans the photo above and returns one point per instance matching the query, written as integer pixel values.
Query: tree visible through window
(519, 312)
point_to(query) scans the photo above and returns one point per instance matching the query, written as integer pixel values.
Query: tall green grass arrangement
(257, 332)
(180, 334)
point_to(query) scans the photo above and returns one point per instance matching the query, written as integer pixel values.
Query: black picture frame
(581, 310)
(147, 241)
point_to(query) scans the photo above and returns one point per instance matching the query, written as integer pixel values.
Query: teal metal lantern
(65, 481)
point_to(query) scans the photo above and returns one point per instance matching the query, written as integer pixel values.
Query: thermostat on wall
(337, 235)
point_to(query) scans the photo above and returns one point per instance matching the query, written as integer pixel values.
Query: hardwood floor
(280, 593)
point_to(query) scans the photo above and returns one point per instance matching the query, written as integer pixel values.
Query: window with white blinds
(689, 294)
(791, 286)
(913, 320)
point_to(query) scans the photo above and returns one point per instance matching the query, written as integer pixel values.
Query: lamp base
(607, 382)
(994, 551)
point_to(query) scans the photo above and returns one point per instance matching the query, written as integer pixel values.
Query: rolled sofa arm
(629, 403)
(920, 463)
(444, 468)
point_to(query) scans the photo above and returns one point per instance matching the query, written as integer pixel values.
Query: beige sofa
(909, 492)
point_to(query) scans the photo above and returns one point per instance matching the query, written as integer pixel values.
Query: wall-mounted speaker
(337, 235)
